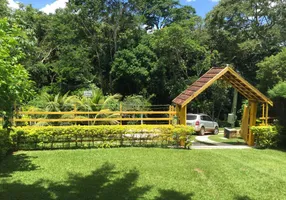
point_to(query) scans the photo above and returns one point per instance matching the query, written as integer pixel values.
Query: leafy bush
(279, 90)
(265, 136)
(99, 136)
(5, 143)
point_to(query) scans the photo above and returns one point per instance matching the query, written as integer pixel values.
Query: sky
(49, 6)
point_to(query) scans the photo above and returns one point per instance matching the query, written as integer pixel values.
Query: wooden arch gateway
(253, 95)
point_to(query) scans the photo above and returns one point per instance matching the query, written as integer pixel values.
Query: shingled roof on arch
(214, 74)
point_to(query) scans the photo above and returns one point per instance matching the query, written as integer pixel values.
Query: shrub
(265, 136)
(99, 136)
(5, 143)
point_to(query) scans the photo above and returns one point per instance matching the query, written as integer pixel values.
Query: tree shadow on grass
(103, 183)
(18, 162)
(173, 195)
(239, 197)
(19, 191)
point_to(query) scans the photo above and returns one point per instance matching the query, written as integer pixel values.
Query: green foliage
(162, 13)
(265, 136)
(5, 143)
(135, 103)
(3, 8)
(181, 59)
(279, 90)
(245, 32)
(98, 136)
(15, 85)
(272, 70)
(132, 69)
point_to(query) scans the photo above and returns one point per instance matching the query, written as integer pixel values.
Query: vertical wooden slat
(252, 121)
(182, 115)
(245, 123)
(170, 115)
(266, 114)
(263, 115)
(120, 113)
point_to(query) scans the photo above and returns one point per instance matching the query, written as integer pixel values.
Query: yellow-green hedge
(99, 136)
(265, 136)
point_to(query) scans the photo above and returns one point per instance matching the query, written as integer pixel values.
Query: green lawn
(222, 139)
(144, 173)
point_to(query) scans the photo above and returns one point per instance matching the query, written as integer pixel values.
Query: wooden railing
(29, 118)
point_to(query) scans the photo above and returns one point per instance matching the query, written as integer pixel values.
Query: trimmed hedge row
(265, 136)
(5, 143)
(25, 138)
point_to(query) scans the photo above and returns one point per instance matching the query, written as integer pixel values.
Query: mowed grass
(144, 173)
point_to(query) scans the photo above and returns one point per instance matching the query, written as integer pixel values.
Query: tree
(245, 32)
(272, 70)
(157, 14)
(107, 26)
(3, 8)
(131, 70)
(14, 79)
(181, 60)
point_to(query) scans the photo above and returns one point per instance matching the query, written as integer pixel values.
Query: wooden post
(74, 115)
(263, 115)
(245, 123)
(252, 121)
(266, 114)
(170, 115)
(181, 113)
(120, 113)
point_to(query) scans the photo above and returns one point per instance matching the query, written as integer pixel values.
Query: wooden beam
(257, 92)
(252, 121)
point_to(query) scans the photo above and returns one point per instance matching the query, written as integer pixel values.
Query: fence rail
(90, 118)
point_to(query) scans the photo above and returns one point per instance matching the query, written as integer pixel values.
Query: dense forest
(138, 51)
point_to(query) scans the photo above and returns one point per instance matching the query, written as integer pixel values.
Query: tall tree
(181, 59)
(14, 79)
(107, 26)
(244, 32)
(131, 70)
(160, 13)
(272, 70)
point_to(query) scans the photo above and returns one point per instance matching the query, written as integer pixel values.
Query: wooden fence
(29, 118)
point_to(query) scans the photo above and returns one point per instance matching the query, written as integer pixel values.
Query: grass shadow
(239, 197)
(18, 162)
(205, 143)
(235, 143)
(18, 190)
(104, 183)
(173, 195)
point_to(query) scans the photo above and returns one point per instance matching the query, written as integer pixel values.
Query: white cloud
(191, 0)
(51, 8)
(13, 4)
(214, 0)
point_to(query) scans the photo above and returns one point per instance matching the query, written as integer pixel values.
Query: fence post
(120, 112)
(266, 114)
(170, 114)
(74, 115)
